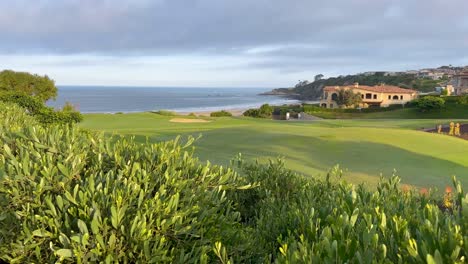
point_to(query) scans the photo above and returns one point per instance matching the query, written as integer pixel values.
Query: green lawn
(365, 148)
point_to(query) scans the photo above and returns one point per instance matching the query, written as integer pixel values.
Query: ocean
(112, 99)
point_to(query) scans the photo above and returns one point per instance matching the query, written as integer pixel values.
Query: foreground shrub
(68, 195)
(220, 113)
(310, 221)
(81, 197)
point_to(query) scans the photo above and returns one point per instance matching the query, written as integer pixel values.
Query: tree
(265, 110)
(348, 98)
(41, 87)
(318, 77)
(302, 83)
(429, 103)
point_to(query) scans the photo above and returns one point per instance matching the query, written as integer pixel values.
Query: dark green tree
(41, 87)
(429, 103)
(348, 98)
(318, 77)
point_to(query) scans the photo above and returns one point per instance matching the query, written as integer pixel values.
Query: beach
(234, 112)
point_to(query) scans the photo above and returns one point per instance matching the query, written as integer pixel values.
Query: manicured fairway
(365, 148)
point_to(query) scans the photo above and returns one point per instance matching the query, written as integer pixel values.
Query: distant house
(460, 82)
(430, 74)
(372, 96)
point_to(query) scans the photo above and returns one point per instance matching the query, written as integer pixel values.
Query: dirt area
(446, 129)
(188, 120)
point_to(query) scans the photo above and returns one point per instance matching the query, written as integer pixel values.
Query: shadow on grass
(364, 160)
(310, 155)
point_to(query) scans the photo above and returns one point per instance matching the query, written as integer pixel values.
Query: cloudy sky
(231, 43)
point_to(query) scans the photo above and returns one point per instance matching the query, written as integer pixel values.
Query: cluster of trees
(68, 195)
(31, 92)
(265, 111)
(220, 113)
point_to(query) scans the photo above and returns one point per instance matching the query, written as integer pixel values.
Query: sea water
(112, 99)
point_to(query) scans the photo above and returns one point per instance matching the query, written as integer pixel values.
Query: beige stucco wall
(385, 99)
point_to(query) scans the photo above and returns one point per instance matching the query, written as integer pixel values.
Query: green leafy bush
(36, 108)
(32, 104)
(41, 87)
(265, 111)
(462, 100)
(220, 113)
(69, 195)
(429, 103)
(82, 197)
(47, 115)
(251, 113)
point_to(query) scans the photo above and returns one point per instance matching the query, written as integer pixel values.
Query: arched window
(324, 105)
(375, 96)
(395, 97)
(401, 97)
(326, 95)
(334, 96)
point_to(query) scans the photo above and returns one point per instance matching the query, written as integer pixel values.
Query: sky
(227, 43)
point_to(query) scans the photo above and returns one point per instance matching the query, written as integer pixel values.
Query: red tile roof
(376, 89)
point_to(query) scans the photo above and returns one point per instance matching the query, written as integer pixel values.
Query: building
(430, 74)
(372, 96)
(460, 82)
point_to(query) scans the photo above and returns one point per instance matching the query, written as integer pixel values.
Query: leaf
(64, 253)
(63, 169)
(64, 240)
(383, 222)
(82, 226)
(70, 198)
(95, 226)
(114, 217)
(354, 217)
(59, 202)
(41, 233)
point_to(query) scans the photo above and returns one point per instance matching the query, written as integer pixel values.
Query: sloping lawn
(363, 148)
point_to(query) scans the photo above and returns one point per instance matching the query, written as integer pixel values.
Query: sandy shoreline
(234, 112)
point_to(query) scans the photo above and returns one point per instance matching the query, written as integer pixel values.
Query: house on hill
(460, 82)
(372, 96)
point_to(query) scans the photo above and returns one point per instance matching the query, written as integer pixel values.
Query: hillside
(313, 91)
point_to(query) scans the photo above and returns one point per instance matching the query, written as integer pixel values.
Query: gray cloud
(303, 33)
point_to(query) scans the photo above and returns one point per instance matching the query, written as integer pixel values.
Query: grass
(364, 148)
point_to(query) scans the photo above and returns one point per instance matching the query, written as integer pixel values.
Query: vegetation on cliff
(313, 91)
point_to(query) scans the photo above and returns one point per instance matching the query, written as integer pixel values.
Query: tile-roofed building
(372, 96)
(460, 82)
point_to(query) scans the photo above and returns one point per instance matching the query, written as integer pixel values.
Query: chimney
(356, 85)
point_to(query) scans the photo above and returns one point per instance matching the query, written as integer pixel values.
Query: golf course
(364, 149)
